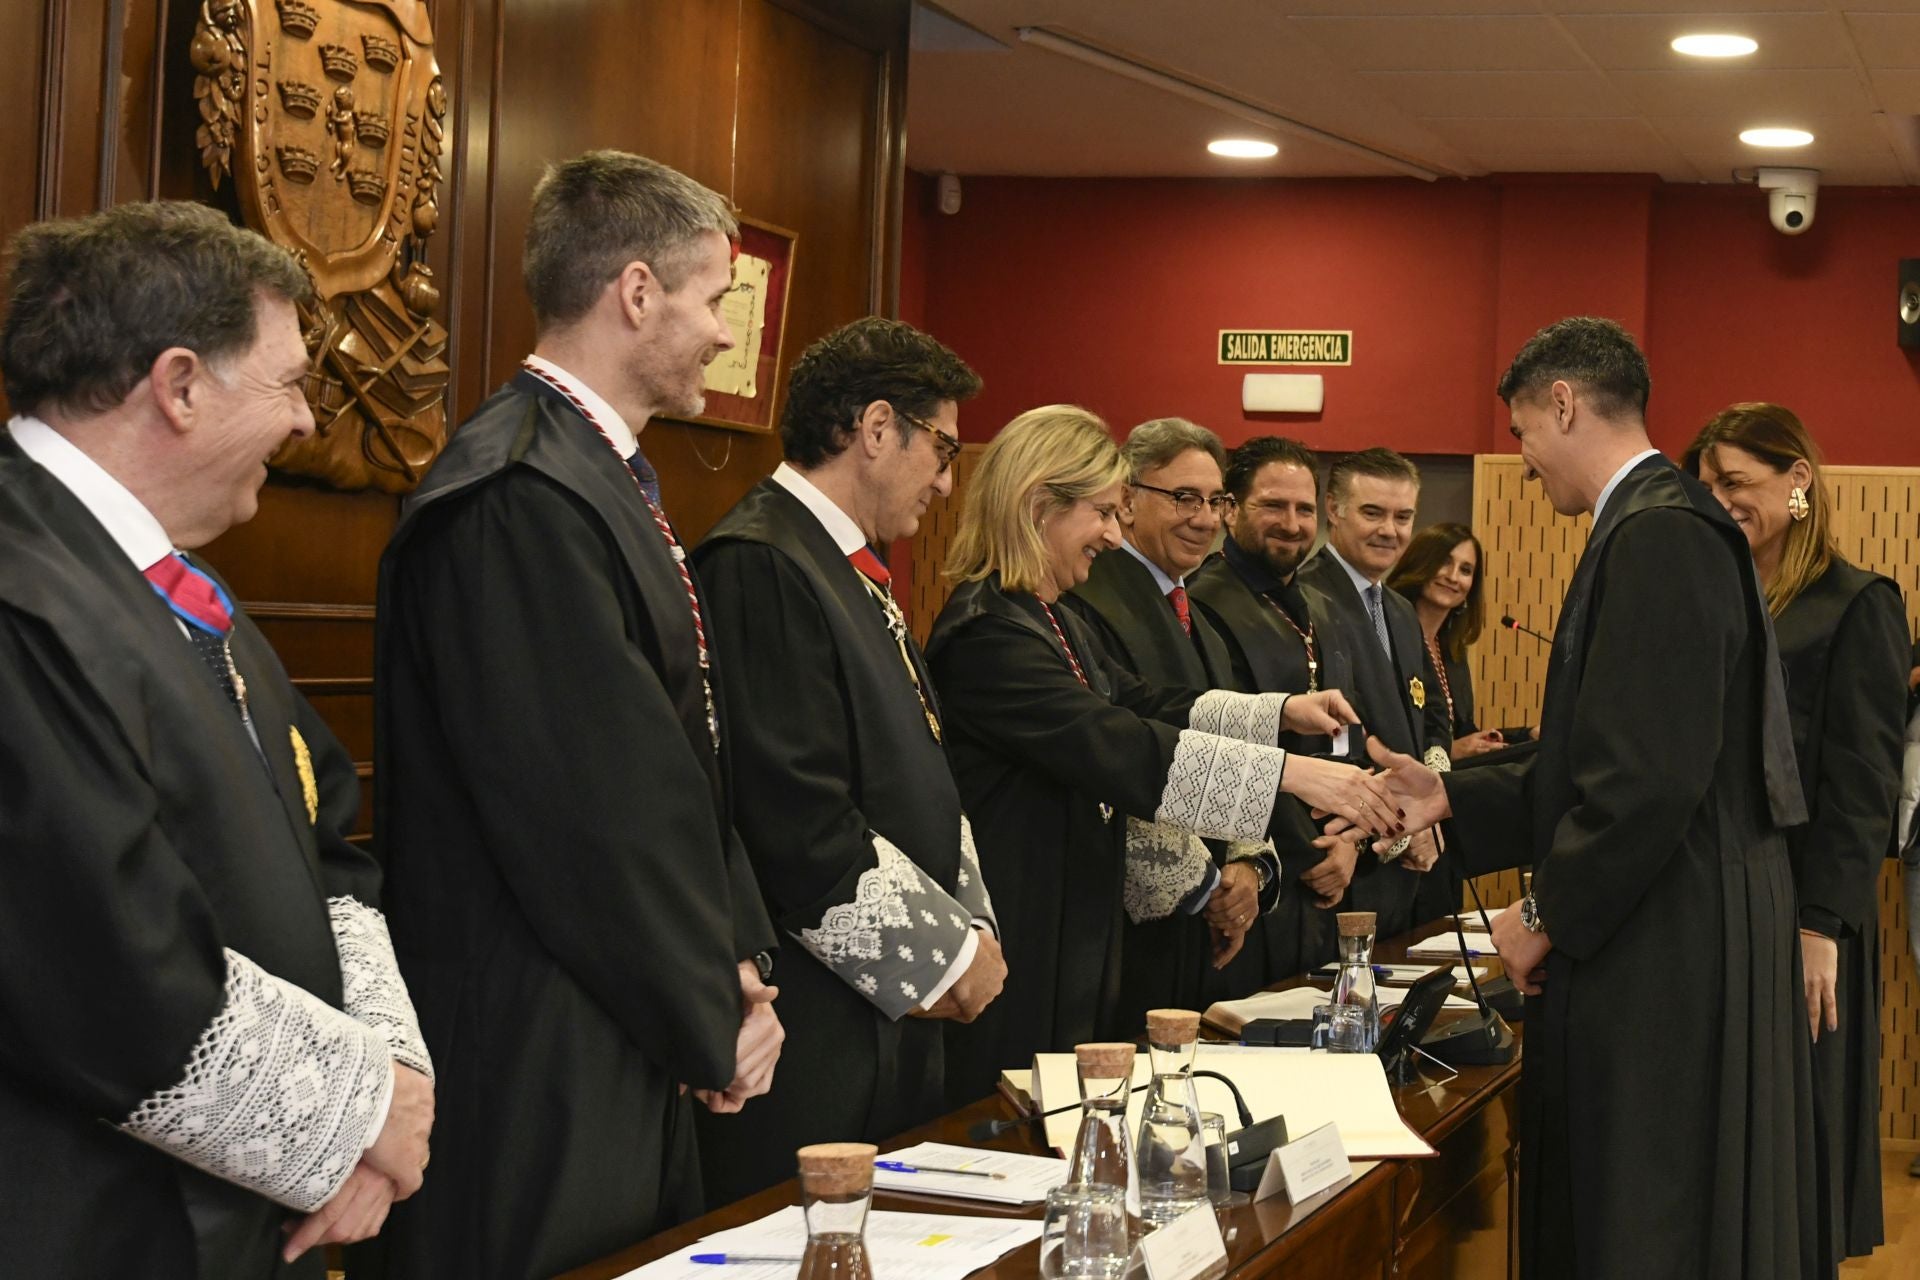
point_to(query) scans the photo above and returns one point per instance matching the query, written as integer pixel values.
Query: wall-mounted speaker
(1910, 302)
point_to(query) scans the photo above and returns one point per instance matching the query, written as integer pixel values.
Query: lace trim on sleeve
(374, 991)
(972, 882)
(281, 1093)
(1250, 717)
(1164, 865)
(1221, 787)
(897, 938)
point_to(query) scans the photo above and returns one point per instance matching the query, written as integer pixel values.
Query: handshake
(1418, 800)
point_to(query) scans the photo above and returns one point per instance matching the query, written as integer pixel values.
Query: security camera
(1790, 197)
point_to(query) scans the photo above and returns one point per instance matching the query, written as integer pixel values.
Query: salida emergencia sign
(1286, 346)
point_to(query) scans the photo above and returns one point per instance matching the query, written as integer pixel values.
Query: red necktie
(1178, 598)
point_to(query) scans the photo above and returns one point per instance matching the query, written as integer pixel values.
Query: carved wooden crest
(330, 117)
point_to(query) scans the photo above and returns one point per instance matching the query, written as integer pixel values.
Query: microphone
(1512, 624)
(1484, 1041)
(1499, 992)
(987, 1130)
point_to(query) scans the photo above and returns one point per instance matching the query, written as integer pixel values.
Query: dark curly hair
(871, 359)
(1594, 352)
(1244, 463)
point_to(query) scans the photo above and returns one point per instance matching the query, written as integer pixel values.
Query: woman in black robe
(1440, 575)
(1843, 641)
(1054, 745)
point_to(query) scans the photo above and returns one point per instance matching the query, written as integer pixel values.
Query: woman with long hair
(1055, 746)
(1843, 640)
(1439, 574)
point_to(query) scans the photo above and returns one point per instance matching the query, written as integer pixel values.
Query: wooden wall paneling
(1531, 553)
(930, 587)
(73, 87)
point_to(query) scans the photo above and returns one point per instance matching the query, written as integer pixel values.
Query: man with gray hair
(209, 1063)
(569, 898)
(1191, 904)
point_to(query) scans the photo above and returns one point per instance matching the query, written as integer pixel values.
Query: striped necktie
(207, 614)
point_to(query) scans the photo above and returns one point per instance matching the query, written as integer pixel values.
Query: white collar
(1160, 577)
(106, 499)
(624, 440)
(1618, 476)
(1361, 582)
(840, 527)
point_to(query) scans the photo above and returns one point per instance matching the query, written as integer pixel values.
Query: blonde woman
(1054, 746)
(1843, 641)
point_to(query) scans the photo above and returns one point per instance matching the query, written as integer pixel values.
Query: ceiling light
(1775, 137)
(1714, 46)
(1243, 148)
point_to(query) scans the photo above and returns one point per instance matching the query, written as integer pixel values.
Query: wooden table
(1449, 1216)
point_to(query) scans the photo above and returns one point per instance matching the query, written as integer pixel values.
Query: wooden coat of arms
(330, 117)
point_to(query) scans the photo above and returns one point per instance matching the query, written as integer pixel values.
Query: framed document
(743, 383)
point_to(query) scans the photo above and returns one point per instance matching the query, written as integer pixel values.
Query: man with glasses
(856, 834)
(1190, 903)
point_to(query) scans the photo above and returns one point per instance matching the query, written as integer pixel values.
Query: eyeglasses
(945, 445)
(1188, 503)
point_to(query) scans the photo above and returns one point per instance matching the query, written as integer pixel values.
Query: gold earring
(1797, 506)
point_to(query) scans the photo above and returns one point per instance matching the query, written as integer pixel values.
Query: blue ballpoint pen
(742, 1259)
(898, 1166)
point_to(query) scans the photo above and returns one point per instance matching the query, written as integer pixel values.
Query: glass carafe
(1172, 1159)
(1102, 1156)
(836, 1187)
(1355, 1015)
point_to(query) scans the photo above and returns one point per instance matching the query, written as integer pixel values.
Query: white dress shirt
(123, 516)
(625, 442)
(1599, 504)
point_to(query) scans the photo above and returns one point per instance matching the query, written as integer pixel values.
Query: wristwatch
(1530, 916)
(763, 961)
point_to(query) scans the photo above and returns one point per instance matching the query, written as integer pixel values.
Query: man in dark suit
(1371, 499)
(1664, 1103)
(1187, 942)
(207, 1043)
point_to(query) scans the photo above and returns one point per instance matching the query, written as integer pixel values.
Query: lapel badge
(1418, 692)
(303, 765)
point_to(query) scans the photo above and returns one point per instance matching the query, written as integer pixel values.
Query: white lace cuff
(1250, 717)
(1164, 865)
(898, 937)
(972, 883)
(1221, 787)
(373, 990)
(281, 1094)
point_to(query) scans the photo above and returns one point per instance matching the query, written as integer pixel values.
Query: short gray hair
(597, 212)
(93, 301)
(1157, 442)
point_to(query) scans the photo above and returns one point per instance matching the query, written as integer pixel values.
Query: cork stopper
(1173, 1026)
(837, 1168)
(1104, 1061)
(1356, 924)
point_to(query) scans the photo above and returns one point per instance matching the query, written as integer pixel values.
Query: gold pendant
(1418, 692)
(303, 765)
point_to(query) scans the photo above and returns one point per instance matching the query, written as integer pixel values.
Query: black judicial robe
(1240, 600)
(1382, 694)
(1664, 1101)
(1038, 756)
(140, 834)
(567, 896)
(855, 832)
(1844, 643)
(1168, 963)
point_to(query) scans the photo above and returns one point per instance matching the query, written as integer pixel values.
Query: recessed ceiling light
(1775, 137)
(1243, 148)
(1714, 46)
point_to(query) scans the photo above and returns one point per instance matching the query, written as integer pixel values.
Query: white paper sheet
(901, 1246)
(1299, 1002)
(1027, 1180)
(1446, 946)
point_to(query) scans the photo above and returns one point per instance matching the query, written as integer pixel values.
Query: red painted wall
(1110, 293)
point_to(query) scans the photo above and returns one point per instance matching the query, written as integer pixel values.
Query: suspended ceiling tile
(1769, 97)
(1440, 94)
(1567, 146)
(1643, 41)
(1887, 39)
(1897, 91)
(1461, 43)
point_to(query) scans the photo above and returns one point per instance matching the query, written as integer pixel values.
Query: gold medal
(303, 765)
(1418, 692)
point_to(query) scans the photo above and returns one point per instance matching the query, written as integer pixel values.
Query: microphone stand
(1499, 992)
(1483, 1041)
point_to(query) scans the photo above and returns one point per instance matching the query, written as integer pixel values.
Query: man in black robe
(1371, 498)
(1272, 626)
(856, 833)
(1191, 905)
(570, 901)
(1664, 1104)
(206, 1036)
